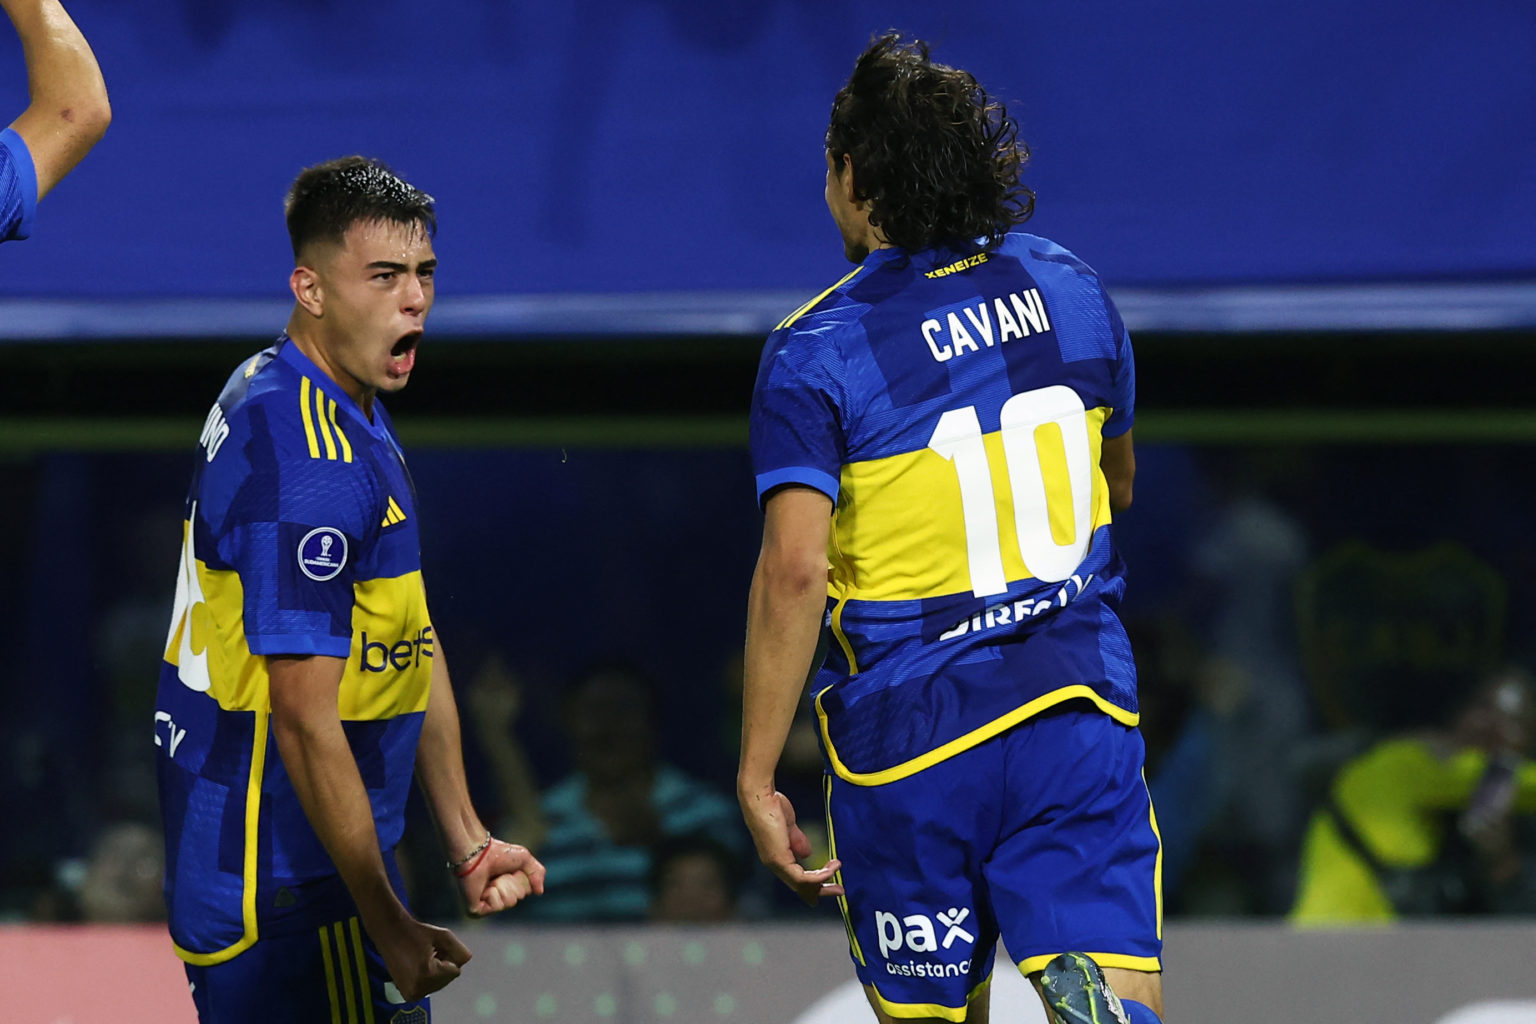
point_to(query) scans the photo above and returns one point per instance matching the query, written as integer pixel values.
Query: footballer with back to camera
(938, 442)
(304, 683)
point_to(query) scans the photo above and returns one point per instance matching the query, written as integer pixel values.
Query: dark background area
(1478, 373)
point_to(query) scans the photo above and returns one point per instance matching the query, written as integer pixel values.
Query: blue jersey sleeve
(295, 531)
(796, 433)
(1124, 377)
(18, 188)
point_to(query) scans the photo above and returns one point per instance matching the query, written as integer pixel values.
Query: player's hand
(504, 877)
(782, 845)
(420, 958)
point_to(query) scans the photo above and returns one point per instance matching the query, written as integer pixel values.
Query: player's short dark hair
(935, 156)
(327, 199)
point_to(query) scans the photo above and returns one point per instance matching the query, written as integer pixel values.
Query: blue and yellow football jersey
(300, 538)
(953, 404)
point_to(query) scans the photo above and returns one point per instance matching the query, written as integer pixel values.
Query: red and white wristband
(462, 868)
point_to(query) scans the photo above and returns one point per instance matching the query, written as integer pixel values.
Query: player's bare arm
(495, 700)
(784, 611)
(1118, 460)
(492, 874)
(306, 724)
(69, 111)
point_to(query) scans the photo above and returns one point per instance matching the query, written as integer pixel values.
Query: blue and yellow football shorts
(1043, 835)
(319, 966)
(330, 973)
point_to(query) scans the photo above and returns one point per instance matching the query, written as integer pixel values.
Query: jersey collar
(885, 255)
(294, 356)
(923, 259)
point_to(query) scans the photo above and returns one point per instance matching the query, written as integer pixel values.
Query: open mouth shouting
(402, 355)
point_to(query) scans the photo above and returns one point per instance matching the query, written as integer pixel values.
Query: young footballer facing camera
(304, 682)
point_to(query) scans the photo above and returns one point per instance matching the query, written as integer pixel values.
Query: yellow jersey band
(241, 682)
(970, 739)
(899, 535)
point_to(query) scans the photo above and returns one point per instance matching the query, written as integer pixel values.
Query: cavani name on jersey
(954, 404)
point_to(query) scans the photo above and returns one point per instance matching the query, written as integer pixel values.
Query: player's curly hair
(327, 199)
(937, 159)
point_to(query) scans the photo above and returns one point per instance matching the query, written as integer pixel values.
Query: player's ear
(845, 181)
(305, 284)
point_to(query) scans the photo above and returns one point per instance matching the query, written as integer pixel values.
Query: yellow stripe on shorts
(330, 974)
(344, 968)
(362, 972)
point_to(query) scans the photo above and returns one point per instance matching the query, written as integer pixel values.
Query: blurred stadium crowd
(1334, 673)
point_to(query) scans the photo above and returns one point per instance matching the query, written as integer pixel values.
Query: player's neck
(311, 341)
(873, 238)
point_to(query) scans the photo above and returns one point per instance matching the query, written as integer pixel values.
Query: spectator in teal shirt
(604, 818)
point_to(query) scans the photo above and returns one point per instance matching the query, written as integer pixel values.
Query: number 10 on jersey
(1045, 430)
